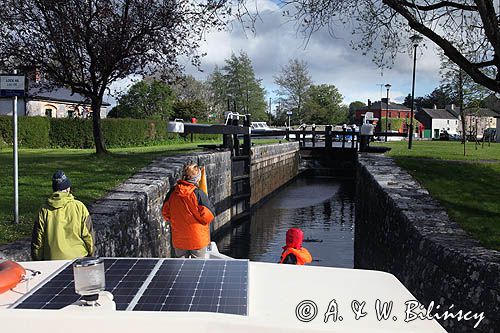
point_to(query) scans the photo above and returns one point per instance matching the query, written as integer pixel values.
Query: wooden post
(304, 137)
(287, 134)
(328, 136)
(314, 136)
(353, 137)
(343, 136)
(247, 143)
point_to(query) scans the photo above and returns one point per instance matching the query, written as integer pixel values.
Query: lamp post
(415, 40)
(387, 86)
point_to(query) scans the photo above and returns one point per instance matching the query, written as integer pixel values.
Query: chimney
(435, 107)
(452, 107)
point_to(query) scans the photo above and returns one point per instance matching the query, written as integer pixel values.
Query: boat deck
(275, 292)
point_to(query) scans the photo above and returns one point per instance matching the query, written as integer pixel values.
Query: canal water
(322, 207)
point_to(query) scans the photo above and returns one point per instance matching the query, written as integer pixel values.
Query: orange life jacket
(303, 256)
(190, 212)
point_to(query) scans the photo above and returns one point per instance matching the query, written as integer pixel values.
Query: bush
(42, 132)
(33, 132)
(71, 133)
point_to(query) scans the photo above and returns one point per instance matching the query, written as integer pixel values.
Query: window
(71, 114)
(448, 121)
(48, 113)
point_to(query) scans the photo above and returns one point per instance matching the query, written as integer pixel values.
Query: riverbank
(466, 186)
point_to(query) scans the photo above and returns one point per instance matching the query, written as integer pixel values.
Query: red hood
(294, 237)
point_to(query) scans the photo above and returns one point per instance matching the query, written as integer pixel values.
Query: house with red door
(397, 116)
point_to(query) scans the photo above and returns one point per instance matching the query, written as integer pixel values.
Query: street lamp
(387, 86)
(415, 39)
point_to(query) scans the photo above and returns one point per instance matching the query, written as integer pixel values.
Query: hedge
(32, 132)
(42, 132)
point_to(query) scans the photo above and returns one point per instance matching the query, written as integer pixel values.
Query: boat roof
(275, 292)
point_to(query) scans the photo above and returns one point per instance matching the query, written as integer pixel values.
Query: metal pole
(387, 115)
(410, 139)
(289, 125)
(270, 101)
(15, 157)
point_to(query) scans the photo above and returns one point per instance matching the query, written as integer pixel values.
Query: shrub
(71, 133)
(32, 132)
(42, 132)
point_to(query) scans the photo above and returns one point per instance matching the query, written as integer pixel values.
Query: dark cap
(59, 181)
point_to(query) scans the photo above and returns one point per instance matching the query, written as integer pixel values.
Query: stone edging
(401, 229)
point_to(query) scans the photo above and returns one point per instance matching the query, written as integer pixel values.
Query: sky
(330, 60)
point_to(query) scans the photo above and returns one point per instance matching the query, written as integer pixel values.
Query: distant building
(437, 120)
(479, 119)
(381, 110)
(58, 103)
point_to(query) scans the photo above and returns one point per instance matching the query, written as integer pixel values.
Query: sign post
(13, 86)
(289, 113)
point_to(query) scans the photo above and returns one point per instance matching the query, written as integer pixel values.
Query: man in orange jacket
(190, 213)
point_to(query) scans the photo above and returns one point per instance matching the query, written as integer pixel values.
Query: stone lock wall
(272, 166)
(400, 229)
(128, 221)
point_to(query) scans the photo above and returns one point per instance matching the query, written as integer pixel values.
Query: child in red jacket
(293, 252)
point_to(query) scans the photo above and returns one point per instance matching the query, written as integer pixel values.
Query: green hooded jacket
(62, 230)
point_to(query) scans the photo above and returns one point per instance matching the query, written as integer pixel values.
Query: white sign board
(14, 82)
(289, 113)
(11, 85)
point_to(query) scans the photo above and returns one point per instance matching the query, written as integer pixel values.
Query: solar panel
(156, 285)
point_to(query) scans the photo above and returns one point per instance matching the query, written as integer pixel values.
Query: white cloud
(331, 60)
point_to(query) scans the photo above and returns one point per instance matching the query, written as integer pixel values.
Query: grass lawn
(468, 187)
(444, 150)
(91, 177)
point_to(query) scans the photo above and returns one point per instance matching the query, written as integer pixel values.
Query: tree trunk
(100, 148)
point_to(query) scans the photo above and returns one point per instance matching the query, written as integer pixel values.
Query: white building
(436, 121)
(59, 103)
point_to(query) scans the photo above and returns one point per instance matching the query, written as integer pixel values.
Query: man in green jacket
(63, 228)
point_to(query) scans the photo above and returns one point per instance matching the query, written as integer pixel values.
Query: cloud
(331, 60)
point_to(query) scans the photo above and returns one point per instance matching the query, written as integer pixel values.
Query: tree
(293, 82)
(218, 99)
(440, 97)
(385, 26)
(351, 118)
(187, 109)
(188, 88)
(323, 105)
(469, 94)
(145, 100)
(85, 45)
(237, 87)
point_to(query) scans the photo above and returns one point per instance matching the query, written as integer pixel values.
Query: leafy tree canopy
(146, 99)
(468, 31)
(323, 106)
(293, 83)
(236, 87)
(85, 45)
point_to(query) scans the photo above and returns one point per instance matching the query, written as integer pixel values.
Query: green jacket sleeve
(37, 237)
(88, 232)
